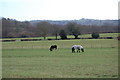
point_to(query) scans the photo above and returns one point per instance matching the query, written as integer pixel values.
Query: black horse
(53, 47)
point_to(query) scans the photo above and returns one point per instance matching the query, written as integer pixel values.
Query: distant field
(32, 59)
(102, 35)
(69, 36)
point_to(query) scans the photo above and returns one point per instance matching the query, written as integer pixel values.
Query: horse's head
(82, 49)
(50, 49)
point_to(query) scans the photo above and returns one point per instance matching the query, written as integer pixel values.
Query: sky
(59, 9)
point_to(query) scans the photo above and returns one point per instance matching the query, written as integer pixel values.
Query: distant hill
(81, 21)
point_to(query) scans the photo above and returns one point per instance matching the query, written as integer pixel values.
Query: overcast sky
(59, 9)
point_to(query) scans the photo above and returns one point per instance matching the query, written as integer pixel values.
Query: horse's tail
(73, 49)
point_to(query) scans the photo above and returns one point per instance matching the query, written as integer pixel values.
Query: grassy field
(34, 60)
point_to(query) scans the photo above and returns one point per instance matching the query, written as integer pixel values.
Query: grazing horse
(53, 47)
(78, 47)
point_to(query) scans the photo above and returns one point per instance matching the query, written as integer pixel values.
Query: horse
(53, 47)
(78, 47)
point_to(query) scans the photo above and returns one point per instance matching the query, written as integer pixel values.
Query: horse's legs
(78, 50)
(74, 51)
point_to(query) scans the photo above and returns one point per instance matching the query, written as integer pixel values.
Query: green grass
(34, 60)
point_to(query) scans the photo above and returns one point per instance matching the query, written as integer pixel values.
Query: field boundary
(13, 40)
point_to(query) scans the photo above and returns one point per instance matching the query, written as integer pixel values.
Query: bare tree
(55, 30)
(7, 27)
(43, 29)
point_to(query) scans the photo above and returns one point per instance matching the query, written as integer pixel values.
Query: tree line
(12, 28)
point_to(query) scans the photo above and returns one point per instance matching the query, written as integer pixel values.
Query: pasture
(32, 59)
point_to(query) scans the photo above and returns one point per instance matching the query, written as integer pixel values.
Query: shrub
(95, 35)
(63, 34)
